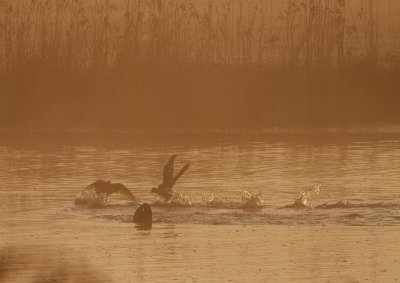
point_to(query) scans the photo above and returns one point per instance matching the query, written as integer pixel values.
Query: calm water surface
(347, 231)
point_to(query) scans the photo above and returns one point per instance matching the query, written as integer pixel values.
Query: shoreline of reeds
(101, 35)
(175, 63)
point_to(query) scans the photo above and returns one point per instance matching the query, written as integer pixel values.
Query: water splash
(201, 200)
(252, 200)
(249, 200)
(179, 199)
(91, 198)
(212, 200)
(303, 201)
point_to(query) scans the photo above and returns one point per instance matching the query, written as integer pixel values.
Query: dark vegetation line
(188, 63)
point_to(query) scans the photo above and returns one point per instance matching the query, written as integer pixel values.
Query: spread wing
(180, 173)
(97, 184)
(168, 174)
(121, 189)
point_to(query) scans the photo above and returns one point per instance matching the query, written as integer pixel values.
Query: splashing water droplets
(212, 200)
(249, 200)
(90, 198)
(179, 199)
(304, 199)
(252, 200)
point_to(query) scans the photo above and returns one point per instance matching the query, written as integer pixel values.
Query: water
(252, 208)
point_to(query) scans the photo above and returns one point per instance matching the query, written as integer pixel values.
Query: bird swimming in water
(143, 215)
(165, 188)
(109, 188)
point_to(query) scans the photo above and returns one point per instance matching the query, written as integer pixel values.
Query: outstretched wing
(121, 189)
(101, 186)
(168, 174)
(97, 184)
(180, 173)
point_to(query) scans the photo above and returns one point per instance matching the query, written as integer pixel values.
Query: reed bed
(196, 63)
(104, 34)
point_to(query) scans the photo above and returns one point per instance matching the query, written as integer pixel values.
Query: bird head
(153, 190)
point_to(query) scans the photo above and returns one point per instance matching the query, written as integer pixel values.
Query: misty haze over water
(281, 119)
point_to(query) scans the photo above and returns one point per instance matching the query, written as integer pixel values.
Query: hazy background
(198, 64)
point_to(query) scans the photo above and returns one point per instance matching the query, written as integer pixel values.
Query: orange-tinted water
(348, 231)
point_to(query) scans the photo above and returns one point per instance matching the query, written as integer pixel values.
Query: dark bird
(143, 215)
(165, 188)
(109, 188)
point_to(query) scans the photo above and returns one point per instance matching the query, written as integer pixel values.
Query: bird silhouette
(109, 188)
(165, 188)
(143, 214)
